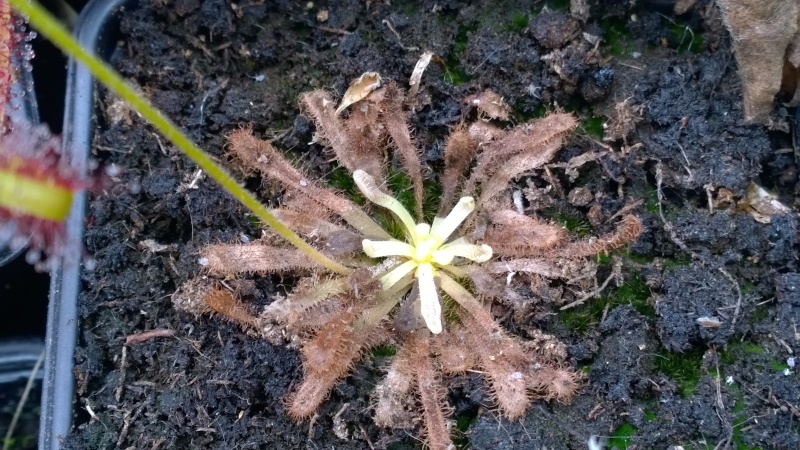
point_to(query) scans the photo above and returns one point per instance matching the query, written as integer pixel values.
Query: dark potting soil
(662, 89)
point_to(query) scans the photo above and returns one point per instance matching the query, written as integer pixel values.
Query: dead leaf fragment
(761, 204)
(709, 322)
(359, 89)
(490, 104)
(416, 75)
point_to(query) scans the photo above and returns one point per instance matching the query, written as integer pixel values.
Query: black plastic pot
(97, 29)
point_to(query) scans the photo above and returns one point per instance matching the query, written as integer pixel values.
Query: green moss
(777, 365)
(634, 292)
(462, 37)
(621, 437)
(752, 349)
(738, 410)
(576, 224)
(523, 114)
(463, 422)
(684, 368)
(616, 36)
(638, 258)
(651, 200)
(455, 73)
(384, 351)
(649, 415)
(685, 39)
(558, 5)
(519, 22)
(593, 126)
(759, 314)
(581, 318)
(680, 260)
(402, 187)
(747, 287)
(340, 179)
(410, 8)
(254, 221)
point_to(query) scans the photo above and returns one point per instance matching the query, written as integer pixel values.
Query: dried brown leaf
(359, 89)
(517, 235)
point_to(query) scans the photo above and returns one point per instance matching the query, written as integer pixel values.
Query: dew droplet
(33, 256)
(89, 263)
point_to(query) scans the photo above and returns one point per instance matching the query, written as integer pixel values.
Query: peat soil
(661, 119)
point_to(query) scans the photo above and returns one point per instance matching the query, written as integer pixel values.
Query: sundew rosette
(422, 263)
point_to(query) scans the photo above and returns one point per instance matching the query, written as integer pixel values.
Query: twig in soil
(615, 273)
(630, 65)
(783, 344)
(624, 210)
(682, 245)
(147, 335)
(333, 30)
(23, 399)
(129, 417)
(725, 443)
(399, 39)
(123, 363)
(595, 412)
(686, 158)
(366, 437)
(311, 424)
(212, 91)
(475, 70)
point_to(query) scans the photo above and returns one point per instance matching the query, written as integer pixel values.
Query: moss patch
(684, 368)
(621, 437)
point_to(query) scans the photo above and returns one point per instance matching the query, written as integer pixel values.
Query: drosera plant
(394, 289)
(358, 287)
(36, 184)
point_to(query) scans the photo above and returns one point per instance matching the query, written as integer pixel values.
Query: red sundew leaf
(37, 187)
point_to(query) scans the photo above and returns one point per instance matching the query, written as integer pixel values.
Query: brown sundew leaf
(517, 235)
(353, 141)
(262, 156)
(224, 303)
(359, 89)
(459, 150)
(396, 124)
(227, 259)
(628, 230)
